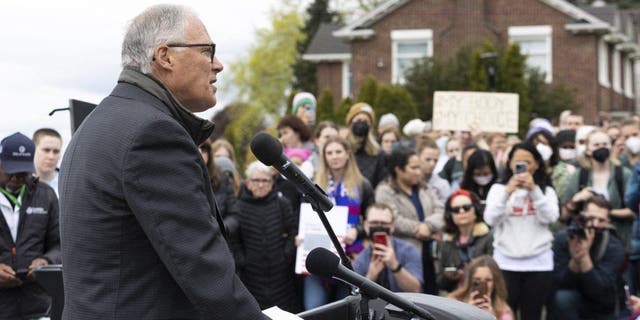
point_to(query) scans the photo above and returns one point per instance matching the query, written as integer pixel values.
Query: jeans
(317, 293)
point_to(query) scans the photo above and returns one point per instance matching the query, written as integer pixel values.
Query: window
(347, 79)
(603, 63)
(617, 86)
(407, 48)
(628, 78)
(535, 44)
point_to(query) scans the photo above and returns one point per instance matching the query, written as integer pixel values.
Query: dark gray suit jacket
(138, 224)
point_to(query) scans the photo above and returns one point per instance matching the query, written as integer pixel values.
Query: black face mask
(601, 154)
(360, 128)
(373, 230)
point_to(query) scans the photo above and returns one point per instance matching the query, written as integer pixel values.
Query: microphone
(323, 263)
(269, 151)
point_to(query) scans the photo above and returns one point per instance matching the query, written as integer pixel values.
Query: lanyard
(13, 198)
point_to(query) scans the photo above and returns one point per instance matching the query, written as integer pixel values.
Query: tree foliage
(368, 91)
(396, 100)
(325, 110)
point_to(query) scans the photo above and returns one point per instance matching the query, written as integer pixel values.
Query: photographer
(393, 263)
(588, 258)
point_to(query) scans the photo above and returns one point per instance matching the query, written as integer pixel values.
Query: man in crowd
(48, 144)
(396, 264)
(428, 152)
(588, 258)
(29, 236)
(142, 237)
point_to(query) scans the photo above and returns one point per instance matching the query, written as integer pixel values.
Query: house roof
(358, 28)
(325, 47)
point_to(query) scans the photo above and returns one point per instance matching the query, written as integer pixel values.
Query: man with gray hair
(142, 237)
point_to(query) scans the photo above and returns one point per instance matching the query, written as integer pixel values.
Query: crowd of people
(521, 228)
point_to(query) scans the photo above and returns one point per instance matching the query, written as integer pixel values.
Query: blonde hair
(352, 179)
(223, 143)
(586, 160)
(371, 146)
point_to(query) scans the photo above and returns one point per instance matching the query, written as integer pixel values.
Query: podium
(442, 308)
(50, 279)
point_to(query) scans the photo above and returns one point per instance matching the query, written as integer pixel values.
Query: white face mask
(483, 180)
(580, 149)
(567, 154)
(633, 145)
(545, 151)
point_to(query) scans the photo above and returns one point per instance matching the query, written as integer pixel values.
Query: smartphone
(481, 287)
(380, 237)
(22, 274)
(521, 167)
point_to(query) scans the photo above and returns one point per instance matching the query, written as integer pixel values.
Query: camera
(578, 229)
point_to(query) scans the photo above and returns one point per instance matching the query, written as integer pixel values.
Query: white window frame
(545, 33)
(616, 71)
(603, 63)
(346, 78)
(628, 78)
(408, 36)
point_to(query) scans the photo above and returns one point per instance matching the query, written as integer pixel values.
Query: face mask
(545, 151)
(580, 149)
(373, 230)
(360, 128)
(483, 180)
(567, 154)
(633, 145)
(601, 154)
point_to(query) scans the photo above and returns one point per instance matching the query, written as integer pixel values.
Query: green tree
(304, 72)
(396, 100)
(368, 91)
(325, 110)
(548, 101)
(340, 114)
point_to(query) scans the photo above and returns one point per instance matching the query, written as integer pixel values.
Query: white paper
(313, 235)
(279, 314)
(486, 111)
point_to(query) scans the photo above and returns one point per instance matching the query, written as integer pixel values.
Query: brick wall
(329, 75)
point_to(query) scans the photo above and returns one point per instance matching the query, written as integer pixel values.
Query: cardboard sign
(484, 111)
(313, 234)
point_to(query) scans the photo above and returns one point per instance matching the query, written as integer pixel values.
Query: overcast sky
(53, 51)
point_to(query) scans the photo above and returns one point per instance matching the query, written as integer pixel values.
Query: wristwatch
(397, 269)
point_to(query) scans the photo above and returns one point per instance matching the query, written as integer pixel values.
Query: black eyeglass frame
(191, 45)
(465, 207)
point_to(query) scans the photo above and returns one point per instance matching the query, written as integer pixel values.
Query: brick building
(590, 49)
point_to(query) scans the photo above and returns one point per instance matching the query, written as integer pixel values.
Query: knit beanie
(388, 119)
(361, 107)
(301, 99)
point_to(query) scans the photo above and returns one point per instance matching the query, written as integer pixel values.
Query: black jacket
(600, 287)
(266, 249)
(373, 168)
(37, 237)
(141, 234)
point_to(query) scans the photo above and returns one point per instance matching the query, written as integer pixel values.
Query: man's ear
(162, 57)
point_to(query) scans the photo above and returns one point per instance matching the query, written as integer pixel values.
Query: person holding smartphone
(393, 263)
(520, 209)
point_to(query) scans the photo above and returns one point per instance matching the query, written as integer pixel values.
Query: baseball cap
(16, 154)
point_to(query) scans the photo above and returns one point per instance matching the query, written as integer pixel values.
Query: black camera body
(578, 229)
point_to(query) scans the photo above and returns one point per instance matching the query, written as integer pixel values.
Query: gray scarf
(199, 129)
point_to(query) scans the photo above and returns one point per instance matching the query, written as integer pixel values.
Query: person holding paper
(339, 176)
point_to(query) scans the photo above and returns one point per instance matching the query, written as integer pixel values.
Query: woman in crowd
(266, 249)
(480, 174)
(323, 131)
(465, 237)
(369, 156)
(222, 175)
(339, 176)
(497, 143)
(602, 174)
(558, 171)
(418, 215)
(483, 274)
(520, 209)
(429, 153)
(294, 133)
(453, 170)
(387, 138)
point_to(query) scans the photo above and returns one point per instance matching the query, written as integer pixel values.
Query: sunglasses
(465, 207)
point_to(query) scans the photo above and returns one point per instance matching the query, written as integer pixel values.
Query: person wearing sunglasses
(29, 229)
(465, 237)
(143, 235)
(588, 258)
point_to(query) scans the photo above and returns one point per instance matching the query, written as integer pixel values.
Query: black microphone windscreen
(322, 262)
(266, 148)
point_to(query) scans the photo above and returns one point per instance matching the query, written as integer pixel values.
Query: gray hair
(257, 166)
(156, 25)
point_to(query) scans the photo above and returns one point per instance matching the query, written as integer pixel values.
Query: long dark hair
(449, 225)
(540, 177)
(479, 159)
(553, 144)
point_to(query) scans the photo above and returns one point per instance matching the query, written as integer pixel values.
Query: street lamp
(489, 59)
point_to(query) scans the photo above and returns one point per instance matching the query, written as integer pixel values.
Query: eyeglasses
(212, 47)
(465, 207)
(260, 181)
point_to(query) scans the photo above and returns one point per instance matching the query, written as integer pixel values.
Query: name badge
(36, 210)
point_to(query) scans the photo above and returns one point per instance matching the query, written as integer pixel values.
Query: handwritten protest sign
(485, 111)
(313, 234)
